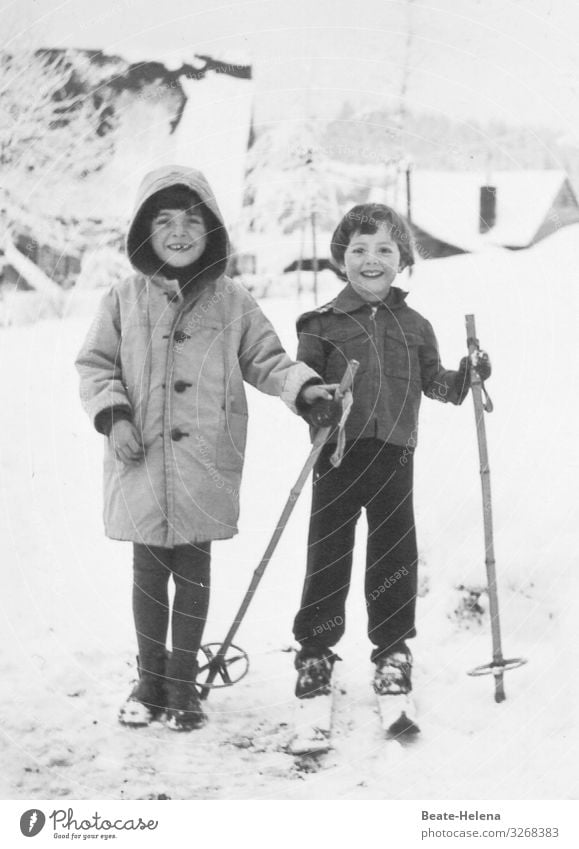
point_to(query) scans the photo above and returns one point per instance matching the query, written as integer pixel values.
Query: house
(455, 212)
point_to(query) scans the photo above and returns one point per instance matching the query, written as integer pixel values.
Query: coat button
(181, 385)
(180, 336)
(177, 434)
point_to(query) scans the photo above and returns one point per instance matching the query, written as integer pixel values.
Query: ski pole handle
(321, 435)
(473, 346)
(348, 378)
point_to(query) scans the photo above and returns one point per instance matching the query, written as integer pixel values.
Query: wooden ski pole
(218, 663)
(499, 664)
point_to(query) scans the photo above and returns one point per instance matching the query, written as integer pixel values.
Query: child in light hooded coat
(162, 374)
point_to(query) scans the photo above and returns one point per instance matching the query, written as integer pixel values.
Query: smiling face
(178, 236)
(371, 262)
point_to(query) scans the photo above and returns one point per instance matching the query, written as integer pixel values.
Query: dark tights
(153, 566)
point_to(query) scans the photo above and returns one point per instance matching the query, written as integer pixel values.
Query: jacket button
(177, 434)
(181, 385)
(180, 336)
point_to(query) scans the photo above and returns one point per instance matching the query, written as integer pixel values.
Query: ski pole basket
(222, 666)
(499, 665)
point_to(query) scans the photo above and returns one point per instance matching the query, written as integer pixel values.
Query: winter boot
(314, 666)
(147, 699)
(184, 711)
(393, 672)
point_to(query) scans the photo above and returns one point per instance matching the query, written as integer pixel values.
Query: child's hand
(126, 442)
(324, 410)
(312, 393)
(479, 360)
(482, 363)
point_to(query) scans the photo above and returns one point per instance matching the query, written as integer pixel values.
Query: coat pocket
(341, 346)
(401, 354)
(231, 441)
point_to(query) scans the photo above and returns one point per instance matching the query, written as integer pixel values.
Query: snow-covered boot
(147, 699)
(184, 711)
(314, 668)
(393, 675)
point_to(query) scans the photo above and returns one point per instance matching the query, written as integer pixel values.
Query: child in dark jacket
(398, 354)
(162, 374)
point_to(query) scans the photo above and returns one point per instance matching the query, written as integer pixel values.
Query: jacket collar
(168, 285)
(172, 286)
(349, 300)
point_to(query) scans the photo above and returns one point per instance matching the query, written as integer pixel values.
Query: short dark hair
(173, 197)
(368, 218)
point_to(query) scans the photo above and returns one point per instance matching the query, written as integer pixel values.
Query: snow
(276, 251)
(66, 627)
(102, 267)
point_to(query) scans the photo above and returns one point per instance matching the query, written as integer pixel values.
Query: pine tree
(288, 177)
(291, 185)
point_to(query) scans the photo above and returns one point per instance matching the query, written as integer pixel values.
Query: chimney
(488, 208)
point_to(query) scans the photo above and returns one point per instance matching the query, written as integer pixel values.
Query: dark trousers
(377, 476)
(153, 566)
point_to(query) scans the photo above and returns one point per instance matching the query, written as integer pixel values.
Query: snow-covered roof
(446, 204)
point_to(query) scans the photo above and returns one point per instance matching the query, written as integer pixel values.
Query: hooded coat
(177, 365)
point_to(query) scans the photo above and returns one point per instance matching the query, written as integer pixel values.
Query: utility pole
(310, 166)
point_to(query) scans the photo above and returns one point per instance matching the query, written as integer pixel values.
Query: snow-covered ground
(68, 648)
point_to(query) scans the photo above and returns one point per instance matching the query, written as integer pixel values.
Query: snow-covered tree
(291, 183)
(288, 177)
(56, 128)
(53, 119)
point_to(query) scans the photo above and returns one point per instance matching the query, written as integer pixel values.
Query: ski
(312, 725)
(398, 715)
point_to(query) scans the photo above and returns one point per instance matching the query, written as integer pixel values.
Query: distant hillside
(437, 141)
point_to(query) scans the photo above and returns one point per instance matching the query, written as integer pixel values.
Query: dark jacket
(398, 355)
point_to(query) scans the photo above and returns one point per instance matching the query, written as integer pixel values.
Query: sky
(509, 60)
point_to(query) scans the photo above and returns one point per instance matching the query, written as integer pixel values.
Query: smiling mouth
(179, 246)
(371, 274)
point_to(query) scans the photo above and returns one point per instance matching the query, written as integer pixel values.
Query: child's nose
(178, 228)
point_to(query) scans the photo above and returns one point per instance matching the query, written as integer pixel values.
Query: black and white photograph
(288, 415)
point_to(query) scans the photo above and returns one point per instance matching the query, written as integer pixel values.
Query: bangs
(366, 220)
(174, 197)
